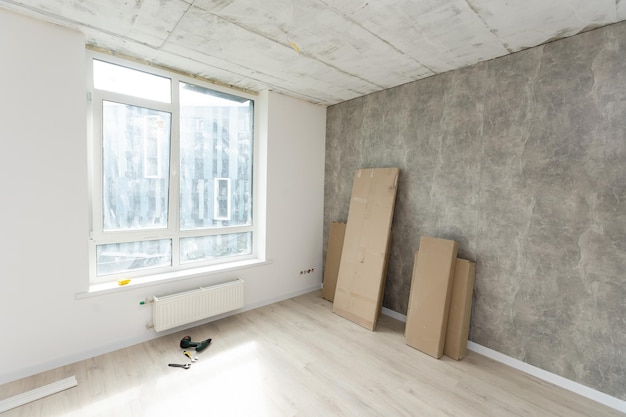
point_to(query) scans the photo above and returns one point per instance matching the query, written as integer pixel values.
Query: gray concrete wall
(522, 160)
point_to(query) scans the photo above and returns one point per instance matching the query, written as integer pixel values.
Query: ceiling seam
(494, 32)
(246, 76)
(433, 72)
(167, 38)
(307, 55)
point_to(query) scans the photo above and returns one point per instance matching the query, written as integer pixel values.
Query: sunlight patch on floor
(227, 384)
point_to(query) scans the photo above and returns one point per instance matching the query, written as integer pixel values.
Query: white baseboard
(554, 379)
(37, 393)
(393, 314)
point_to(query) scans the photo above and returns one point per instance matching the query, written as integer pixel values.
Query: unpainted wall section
(521, 160)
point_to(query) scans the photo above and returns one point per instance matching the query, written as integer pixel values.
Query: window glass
(194, 249)
(123, 80)
(215, 159)
(131, 256)
(135, 161)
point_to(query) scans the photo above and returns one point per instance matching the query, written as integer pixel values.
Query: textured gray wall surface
(522, 161)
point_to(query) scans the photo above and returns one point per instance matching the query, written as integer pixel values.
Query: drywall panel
(429, 299)
(460, 309)
(333, 259)
(362, 270)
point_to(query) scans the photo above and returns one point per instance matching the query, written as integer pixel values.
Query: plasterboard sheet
(429, 299)
(457, 332)
(362, 270)
(333, 257)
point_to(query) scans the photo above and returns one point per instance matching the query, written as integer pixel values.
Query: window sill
(113, 287)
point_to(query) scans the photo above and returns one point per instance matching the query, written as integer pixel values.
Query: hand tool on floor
(180, 365)
(187, 343)
(192, 358)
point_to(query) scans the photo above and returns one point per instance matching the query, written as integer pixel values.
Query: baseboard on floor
(37, 393)
(554, 379)
(393, 314)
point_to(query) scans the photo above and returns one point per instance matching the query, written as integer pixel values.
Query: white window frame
(97, 236)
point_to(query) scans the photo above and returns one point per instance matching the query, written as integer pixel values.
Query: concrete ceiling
(322, 51)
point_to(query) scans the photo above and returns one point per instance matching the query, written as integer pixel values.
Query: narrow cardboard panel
(460, 310)
(429, 299)
(362, 269)
(333, 257)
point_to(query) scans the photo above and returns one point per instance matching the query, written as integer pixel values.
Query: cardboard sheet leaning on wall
(431, 291)
(363, 266)
(457, 332)
(333, 259)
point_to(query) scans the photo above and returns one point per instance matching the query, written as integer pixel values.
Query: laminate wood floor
(296, 358)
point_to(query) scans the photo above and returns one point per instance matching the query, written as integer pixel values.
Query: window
(172, 172)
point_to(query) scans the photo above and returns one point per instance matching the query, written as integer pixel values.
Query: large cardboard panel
(460, 309)
(429, 299)
(362, 269)
(333, 257)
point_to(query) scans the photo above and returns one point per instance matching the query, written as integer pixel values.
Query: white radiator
(189, 306)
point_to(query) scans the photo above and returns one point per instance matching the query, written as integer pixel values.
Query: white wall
(44, 210)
